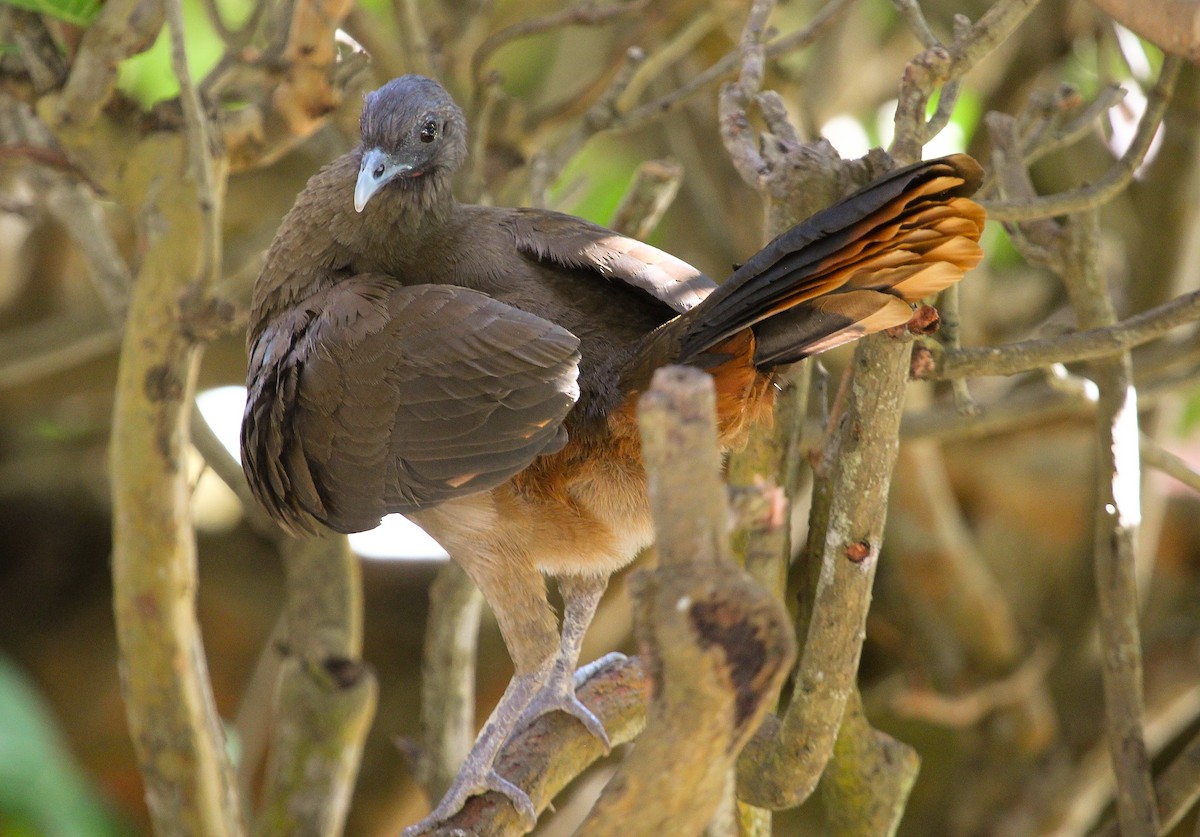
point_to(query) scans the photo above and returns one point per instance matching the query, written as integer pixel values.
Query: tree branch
(654, 186)
(1118, 512)
(1090, 344)
(1161, 459)
(1170, 24)
(785, 759)
(326, 696)
(869, 778)
(123, 28)
(718, 644)
(544, 757)
(1114, 181)
(448, 679)
(190, 785)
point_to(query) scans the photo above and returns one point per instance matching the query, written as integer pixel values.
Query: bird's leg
(518, 598)
(477, 776)
(581, 594)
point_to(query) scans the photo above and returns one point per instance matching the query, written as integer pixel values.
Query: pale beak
(378, 167)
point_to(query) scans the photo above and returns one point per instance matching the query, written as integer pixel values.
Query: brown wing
(372, 398)
(572, 242)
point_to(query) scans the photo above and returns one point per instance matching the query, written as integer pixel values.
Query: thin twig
(729, 64)
(40, 54)
(993, 28)
(1115, 180)
(1159, 458)
(911, 11)
(229, 471)
(736, 131)
(1025, 411)
(582, 13)
(217, 20)
(199, 146)
(47, 348)
(77, 208)
(967, 710)
(942, 65)
(488, 95)
(601, 116)
(417, 50)
(1088, 791)
(1089, 344)
(657, 62)
(71, 196)
(654, 186)
(951, 334)
(1169, 24)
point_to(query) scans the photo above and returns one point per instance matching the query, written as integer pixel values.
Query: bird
(477, 368)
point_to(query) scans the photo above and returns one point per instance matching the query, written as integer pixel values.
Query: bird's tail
(848, 271)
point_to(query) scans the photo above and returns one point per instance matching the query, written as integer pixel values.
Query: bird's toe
(559, 696)
(473, 783)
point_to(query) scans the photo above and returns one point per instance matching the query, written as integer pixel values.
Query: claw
(466, 786)
(586, 672)
(558, 695)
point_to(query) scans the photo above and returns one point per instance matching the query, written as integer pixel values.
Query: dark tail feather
(852, 269)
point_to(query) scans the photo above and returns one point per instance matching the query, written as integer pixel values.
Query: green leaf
(149, 78)
(594, 181)
(43, 793)
(78, 12)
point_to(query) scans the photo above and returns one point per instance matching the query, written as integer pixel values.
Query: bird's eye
(378, 171)
(429, 131)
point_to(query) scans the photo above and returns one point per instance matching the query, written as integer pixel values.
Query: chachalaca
(477, 368)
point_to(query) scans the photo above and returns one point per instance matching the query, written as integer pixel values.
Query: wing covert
(373, 398)
(572, 242)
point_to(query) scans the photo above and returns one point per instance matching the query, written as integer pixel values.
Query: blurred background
(980, 651)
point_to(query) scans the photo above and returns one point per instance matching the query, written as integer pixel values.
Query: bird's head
(412, 133)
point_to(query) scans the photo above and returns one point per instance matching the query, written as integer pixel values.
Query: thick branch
(1173, 25)
(783, 762)
(326, 695)
(869, 778)
(448, 678)
(123, 28)
(1117, 515)
(190, 786)
(544, 757)
(718, 644)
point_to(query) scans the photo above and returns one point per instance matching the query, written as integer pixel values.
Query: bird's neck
(394, 234)
(417, 204)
